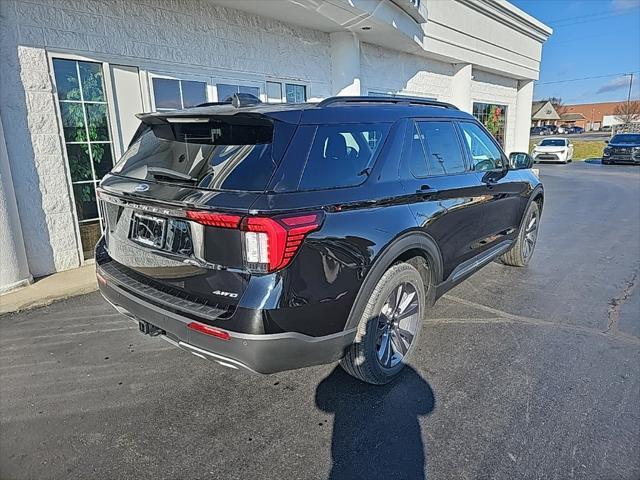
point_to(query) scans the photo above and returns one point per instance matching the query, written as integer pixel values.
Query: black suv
(273, 237)
(622, 148)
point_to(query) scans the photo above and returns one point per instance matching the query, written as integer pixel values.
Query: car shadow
(376, 429)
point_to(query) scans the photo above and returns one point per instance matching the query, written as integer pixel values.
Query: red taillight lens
(207, 330)
(271, 243)
(211, 219)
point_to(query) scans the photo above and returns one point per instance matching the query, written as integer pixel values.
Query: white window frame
(283, 90)
(260, 85)
(115, 145)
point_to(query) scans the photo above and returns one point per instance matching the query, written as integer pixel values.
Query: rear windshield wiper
(169, 175)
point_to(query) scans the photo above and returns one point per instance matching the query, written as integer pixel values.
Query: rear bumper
(550, 157)
(265, 353)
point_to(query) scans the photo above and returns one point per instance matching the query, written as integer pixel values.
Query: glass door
(87, 137)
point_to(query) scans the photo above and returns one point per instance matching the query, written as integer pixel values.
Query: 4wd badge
(225, 294)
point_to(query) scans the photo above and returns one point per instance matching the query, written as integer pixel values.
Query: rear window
(341, 155)
(552, 142)
(209, 155)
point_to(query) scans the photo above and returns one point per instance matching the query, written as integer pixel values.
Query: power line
(587, 78)
(587, 20)
(576, 17)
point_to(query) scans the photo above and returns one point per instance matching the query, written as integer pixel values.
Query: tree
(628, 112)
(558, 104)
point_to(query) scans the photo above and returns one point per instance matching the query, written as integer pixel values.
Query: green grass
(583, 149)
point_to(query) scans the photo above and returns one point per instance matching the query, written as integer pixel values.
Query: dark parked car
(574, 130)
(622, 148)
(272, 237)
(543, 130)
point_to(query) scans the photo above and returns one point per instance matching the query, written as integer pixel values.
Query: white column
(524, 99)
(14, 270)
(345, 64)
(461, 87)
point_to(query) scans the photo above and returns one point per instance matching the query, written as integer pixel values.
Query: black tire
(522, 251)
(362, 358)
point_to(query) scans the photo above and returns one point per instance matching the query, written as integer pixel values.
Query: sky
(591, 38)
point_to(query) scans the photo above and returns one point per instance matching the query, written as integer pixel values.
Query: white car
(553, 150)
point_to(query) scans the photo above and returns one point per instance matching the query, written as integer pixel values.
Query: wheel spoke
(406, 335)
(532, 223)
(409, 312)
(398, 343)
(399, 293)
(384, 346)
(405, 302)
(389, 353)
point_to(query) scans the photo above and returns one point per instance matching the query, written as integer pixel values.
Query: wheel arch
(409, 247)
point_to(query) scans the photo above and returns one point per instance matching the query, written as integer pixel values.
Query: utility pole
(628, 115)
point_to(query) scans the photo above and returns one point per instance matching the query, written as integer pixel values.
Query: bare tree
(628, 112)
(558, 104)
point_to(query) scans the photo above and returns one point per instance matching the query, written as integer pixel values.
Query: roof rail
(395, 100)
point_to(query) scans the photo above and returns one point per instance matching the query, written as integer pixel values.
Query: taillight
(212, 219)
(271, 243)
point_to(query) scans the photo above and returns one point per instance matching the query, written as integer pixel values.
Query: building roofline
(512, 16)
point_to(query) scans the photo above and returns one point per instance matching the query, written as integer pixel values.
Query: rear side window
(212, 155)
(441, 147)
(340, 155)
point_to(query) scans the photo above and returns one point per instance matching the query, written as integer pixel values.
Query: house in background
(573, 119)
(593, 114)
(543, 113)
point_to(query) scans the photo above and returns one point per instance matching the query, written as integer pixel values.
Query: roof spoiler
(237, 100)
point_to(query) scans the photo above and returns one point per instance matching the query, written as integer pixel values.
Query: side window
(444, 156)
(340, 155)
(485, 154)
(417, 158)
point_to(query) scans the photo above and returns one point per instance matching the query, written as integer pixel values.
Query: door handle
(426, 189)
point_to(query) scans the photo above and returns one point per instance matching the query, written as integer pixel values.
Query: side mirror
(520, 161)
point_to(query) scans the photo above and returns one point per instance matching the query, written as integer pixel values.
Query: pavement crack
(616, 303)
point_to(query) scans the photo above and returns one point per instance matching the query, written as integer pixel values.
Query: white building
(73, 74)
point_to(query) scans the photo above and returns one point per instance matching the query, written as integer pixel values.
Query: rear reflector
(207, 330)
(100, 278)
(222, 220)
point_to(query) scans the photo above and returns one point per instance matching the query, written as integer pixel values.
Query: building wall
(385, 70)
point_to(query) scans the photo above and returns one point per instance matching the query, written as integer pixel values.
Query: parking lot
(520, 373)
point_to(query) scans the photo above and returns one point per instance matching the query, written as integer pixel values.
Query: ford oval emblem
(142, 187)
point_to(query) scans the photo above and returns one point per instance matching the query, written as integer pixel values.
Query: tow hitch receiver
(148, 329)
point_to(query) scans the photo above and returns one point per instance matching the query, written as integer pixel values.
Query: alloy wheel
(530, 235)
(397, 324)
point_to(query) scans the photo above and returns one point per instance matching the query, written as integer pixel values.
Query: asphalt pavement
(530, 373)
